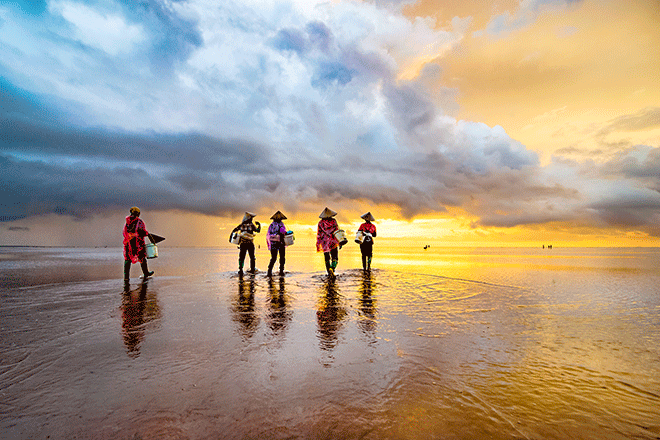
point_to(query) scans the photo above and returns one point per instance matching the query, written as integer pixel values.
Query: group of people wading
(329, 239)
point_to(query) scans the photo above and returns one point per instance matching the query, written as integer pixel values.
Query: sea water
(442, 343)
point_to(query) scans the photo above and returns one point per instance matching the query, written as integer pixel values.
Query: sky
(463, 122)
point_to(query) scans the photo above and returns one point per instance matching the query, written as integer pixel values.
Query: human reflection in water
(243, 308)
(329, 315)
(367, 314)
(137, 309)
(279, 314)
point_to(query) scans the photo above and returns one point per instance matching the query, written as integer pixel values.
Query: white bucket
(340, 235)
(234, 239)
(359, 237)
(288, 238)
(152, 250)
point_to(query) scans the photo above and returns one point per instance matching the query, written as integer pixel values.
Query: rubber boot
(127, 270)
(368, 263)
(328, 267)
(240, 267)
(145, 270)
(333, 266)
(364, 262)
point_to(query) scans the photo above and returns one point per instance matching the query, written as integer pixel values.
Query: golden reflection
(367, 313)
(243, 308)
(137, 309)
(330, 314)
(279, 315)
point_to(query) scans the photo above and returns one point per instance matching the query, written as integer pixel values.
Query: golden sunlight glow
(578, 89)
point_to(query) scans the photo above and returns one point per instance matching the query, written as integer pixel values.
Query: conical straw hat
(368, 217)
(278, 216)
(327, 213)
(248, 216)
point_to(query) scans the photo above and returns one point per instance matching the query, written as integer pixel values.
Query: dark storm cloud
(635, 164)
(46, 168)
(30, 129)
(38, 188)
(631, 211)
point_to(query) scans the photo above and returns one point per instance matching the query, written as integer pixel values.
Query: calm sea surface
(443, 343)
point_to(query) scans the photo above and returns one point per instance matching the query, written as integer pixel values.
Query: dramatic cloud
(215, 107)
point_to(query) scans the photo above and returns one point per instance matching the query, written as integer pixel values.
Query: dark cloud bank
(48, 167)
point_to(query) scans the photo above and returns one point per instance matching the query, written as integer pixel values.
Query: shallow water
(444, 343)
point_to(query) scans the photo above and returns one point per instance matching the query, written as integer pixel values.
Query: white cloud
(109, 32)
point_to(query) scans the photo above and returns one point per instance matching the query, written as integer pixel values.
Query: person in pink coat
(135, 250)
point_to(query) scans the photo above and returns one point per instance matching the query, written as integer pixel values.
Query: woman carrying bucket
(275, 240)
(327, 240)
(246, 231)
(134, 248)
(366, 232)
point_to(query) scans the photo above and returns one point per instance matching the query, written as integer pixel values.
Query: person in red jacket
(367, 245)
(135, 250)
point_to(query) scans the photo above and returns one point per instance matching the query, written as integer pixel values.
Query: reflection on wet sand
(138, 308)
(278, 315)
(243, 308)
(367, 311)
(330, 314)
(498, 350)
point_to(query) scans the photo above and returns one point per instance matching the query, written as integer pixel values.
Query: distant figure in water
(275, 241)
(326, 240)
(135, 250)
(247, 229)
(367, 245)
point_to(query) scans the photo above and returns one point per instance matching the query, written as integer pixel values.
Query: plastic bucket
(359, 237)
(340, 235)
(288, 238)
(152, 250)
(234, 239)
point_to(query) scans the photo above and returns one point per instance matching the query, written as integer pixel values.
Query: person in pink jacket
(135, 250)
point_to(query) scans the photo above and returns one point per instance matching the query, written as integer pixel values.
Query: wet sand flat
(450, 343)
